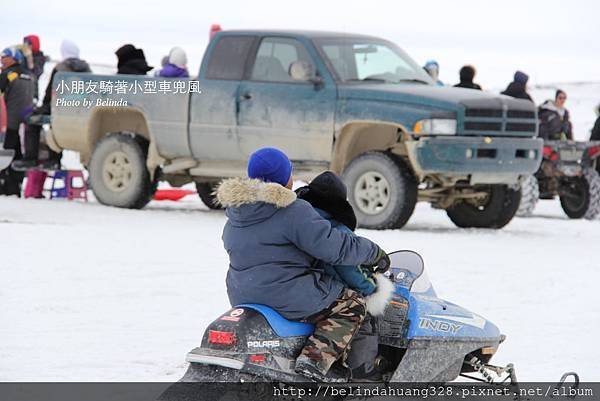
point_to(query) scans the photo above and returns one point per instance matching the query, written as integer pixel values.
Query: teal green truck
(357, 105)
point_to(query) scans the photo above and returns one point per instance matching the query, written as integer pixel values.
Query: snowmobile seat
(279, 324)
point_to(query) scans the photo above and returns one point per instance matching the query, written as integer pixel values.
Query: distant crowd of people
(22, 66)
(554, 118)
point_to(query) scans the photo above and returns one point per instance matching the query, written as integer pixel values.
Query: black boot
(363, 374)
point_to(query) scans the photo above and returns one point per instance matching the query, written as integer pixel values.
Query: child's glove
(382, 262)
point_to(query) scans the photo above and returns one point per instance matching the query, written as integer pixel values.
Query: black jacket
(552, 124)
(131, 61)
(17, 86)
(596, 131)
(517, 90)
(468, 85)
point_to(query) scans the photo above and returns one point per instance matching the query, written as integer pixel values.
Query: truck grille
(500, 122)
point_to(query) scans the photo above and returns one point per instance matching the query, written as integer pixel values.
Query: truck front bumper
(485, 160)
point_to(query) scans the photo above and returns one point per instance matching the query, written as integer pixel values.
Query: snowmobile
(568, 170)
(422, 338)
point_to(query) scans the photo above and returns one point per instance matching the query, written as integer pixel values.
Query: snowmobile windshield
(408, 270)
(371, 61)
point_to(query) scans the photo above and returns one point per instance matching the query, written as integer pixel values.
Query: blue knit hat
(521, 77)
(270, 165)
(13, 52)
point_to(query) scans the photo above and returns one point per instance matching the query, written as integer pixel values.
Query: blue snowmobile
(422, 338)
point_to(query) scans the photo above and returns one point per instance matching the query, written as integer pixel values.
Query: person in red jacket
(38, 59)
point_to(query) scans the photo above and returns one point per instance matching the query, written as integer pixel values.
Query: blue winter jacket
(274, 241)
(353, 276)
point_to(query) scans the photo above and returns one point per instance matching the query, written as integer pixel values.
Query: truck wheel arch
(107, 120)
(358, 137)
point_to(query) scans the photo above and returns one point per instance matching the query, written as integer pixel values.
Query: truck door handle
(247, 96)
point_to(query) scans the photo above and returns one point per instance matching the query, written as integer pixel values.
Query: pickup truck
(354, 104)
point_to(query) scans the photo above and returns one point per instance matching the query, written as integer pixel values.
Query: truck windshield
(370, 60)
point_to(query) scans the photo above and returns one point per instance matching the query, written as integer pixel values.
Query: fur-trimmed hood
(235, 192)
(249, 201)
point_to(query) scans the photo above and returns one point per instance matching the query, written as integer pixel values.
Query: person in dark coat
(327, 194)
(555, 124)
(131, 60)
(518, 87)
(38, 59)
(70, 63)
(596, 130)
(467, 75)
(16, 85)
(274, 241)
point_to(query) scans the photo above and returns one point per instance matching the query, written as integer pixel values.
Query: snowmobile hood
(251, 201)
(431, 96)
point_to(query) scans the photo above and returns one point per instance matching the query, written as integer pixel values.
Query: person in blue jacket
(328, 195)
(274, 240)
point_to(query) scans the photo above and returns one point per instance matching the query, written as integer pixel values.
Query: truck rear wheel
(118, 173)
(583, 197)
(205, 191)
(530, 193)
(495, 211)
(382, 190)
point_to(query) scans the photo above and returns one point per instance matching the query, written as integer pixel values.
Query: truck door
(275, 110)
(213, 112)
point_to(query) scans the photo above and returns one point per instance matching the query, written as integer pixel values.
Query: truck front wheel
(118, 173)
(382, 190)
(530, 193)
(495, 210)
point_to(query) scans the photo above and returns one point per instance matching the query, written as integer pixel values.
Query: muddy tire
(382, 190)
(205, 192)
(496, 212)
(583, 200)
(118, 173)
(530, 193)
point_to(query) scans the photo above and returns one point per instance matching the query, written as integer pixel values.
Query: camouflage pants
(334, 329)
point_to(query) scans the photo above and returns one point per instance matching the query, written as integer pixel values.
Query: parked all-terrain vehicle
(569, 171)
(422, 339)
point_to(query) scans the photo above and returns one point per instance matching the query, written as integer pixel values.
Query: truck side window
(274, 57)
(228, 57)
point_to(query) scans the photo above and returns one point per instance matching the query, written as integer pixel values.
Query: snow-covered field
(93, 293)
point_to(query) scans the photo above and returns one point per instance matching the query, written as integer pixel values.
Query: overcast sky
(553, 41)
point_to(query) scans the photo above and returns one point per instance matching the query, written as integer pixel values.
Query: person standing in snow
(131, 60)
(467, 75)
(32, 42)
(70, 63)
(274, 240)
(595, 136)
(432, 68)
(16, 86)
(176, 66)
(327, 194)
(518, 87)
(555, 124)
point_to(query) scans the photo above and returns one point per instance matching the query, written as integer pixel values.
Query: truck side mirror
(303, 71)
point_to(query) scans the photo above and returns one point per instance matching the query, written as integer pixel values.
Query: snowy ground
(93, 293)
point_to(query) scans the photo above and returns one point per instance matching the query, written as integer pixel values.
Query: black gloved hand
(382, 262)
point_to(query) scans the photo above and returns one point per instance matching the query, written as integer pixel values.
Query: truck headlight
(435, 126)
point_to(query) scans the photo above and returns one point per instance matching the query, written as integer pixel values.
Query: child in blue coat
(327, 194)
